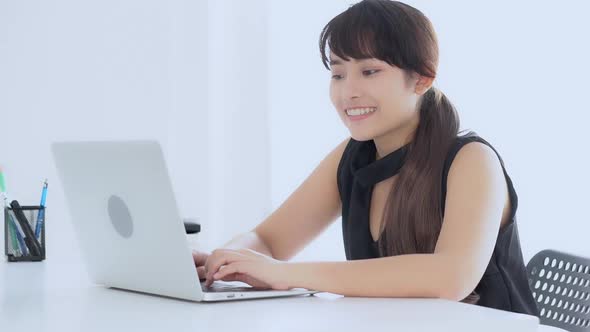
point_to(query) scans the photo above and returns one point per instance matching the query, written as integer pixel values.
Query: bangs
(360, 32)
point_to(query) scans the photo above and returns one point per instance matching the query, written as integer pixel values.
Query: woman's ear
(423, 84)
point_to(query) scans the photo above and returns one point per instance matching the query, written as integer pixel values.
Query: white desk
(52, 297)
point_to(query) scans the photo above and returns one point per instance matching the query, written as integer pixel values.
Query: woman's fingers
(201, 272)
(200, 258)
(215, 263)
(232, 277)
(212, 268)
(212, 261)
(218, 259)
(246, 279)
(227, 270)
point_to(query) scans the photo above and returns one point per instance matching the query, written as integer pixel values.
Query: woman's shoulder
(482, 148)
(472, 154)
(465, 138)
(472, 151)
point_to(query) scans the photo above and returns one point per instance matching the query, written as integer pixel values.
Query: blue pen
(41, 213)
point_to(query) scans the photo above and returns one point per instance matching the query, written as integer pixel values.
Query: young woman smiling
(426, 211)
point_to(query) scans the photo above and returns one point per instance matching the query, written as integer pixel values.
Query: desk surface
(52, 297)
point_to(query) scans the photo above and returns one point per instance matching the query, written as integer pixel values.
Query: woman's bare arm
(475, 201)
(302, 217)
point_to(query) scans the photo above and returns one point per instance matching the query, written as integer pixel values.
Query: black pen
(30, 240)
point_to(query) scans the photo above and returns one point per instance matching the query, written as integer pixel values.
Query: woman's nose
(351, 89)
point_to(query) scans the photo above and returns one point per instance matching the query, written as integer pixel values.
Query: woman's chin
(361, 137)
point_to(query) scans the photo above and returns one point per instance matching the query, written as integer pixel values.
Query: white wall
(517, 73)
(239, 180)
(139, 69)
(303, 125)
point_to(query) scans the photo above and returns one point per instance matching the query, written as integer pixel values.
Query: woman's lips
(360, 117)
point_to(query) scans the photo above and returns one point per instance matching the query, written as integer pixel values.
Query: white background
(237, 95)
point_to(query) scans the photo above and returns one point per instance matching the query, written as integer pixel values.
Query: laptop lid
(124, 214)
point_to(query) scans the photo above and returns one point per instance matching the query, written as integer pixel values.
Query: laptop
(129, 230)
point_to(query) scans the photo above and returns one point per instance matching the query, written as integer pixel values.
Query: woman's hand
(200, 259)
(245, 265)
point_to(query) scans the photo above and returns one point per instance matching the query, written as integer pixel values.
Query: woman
(426, 212)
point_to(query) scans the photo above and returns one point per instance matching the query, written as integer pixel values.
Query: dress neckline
(369, 170)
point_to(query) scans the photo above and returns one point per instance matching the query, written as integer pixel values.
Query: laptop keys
(219, 288)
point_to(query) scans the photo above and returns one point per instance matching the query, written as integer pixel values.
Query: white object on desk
(45, 297)
(127, 222)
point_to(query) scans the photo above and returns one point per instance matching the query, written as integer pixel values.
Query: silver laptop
(127, 223)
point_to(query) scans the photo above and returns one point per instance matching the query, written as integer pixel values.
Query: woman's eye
(370, 72)
(336, 77)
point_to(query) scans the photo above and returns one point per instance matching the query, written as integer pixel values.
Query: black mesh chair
(560, 285)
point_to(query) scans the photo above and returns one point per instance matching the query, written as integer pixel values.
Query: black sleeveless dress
(504, 284)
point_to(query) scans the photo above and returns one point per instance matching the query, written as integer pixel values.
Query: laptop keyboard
(220, 288)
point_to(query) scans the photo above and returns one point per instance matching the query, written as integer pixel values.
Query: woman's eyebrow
(339, 62)
(335, 62)
(366, 59)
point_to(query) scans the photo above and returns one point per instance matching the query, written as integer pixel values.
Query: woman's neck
(395, 139)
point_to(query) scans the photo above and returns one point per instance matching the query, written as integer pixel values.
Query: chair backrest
(560, 285)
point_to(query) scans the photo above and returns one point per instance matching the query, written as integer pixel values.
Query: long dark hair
(403, 36)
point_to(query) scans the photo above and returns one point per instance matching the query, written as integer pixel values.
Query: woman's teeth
(360, 111)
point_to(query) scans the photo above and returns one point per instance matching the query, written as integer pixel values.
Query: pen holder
(16, 246)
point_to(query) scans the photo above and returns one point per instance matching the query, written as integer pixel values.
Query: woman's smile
(360, 113)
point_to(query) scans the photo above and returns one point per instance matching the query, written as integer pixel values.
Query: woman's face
(372, 98)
